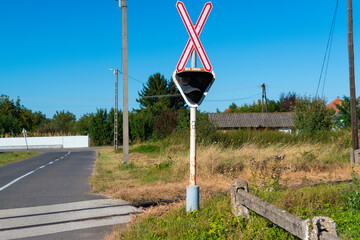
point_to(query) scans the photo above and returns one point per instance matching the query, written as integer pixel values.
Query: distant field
(10, 157)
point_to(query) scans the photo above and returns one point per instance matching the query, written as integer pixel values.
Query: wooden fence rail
(318, 228)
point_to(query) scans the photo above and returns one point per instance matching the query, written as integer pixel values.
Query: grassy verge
(215, 220)
(10, 157)
(150, 172)
(163, 172)
(159, 170)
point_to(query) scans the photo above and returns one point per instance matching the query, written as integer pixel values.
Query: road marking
(62, 157)
(14, 181)
(25, 175)
(41, 220)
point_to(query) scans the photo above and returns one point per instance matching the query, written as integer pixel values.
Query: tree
(64, 122)
(100, 128)
(273, 106)
(344, 117)
(20, 116)
(287, 102)
(153, 97)
(233, 108)
(312, 115)
(9, 124)
(83, 124)
(141, 125)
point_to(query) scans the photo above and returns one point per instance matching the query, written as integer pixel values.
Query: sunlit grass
(10, 157)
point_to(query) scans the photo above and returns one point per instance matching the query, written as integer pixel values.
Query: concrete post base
(192, 198)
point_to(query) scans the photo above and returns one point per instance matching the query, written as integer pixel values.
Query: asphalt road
(54, 177)
(52, 182)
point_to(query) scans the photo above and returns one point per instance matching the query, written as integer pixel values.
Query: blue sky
(55, 55)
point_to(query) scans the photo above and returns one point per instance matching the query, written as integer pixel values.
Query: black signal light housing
(193, 84)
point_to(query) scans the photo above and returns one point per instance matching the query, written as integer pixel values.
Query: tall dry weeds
(217, 167)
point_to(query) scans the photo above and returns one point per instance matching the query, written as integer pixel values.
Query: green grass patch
(10, 157)
(145, 148)
(215, 220)
(157, 172)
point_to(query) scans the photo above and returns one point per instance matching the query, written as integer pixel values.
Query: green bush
(206, 131)
(141, 125)
(101, 132)
(165, 123)
(353, 192)
(312, 117)
(9, 124)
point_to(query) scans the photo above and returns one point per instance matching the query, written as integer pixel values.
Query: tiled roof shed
(256, 120)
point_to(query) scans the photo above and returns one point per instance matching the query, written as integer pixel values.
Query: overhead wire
(235, 99)
(331, 41)
(327, 52)
(161, 96)
(132, 78)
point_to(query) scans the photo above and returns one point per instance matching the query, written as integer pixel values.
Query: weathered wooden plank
(280, 217)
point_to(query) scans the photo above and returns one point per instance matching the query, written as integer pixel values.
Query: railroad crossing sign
(194, 33)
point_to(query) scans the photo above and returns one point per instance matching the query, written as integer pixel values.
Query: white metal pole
(193, 146)
(192, 191)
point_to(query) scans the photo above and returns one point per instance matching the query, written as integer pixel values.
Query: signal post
(193, 84)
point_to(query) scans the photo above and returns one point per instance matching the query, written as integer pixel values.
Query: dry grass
(216, 169)
(265, 167)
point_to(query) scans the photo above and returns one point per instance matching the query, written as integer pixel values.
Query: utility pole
(263, 97)
(355, 140)
(116, 112)
(123, 6)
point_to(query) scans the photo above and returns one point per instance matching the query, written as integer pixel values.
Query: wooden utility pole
(116, 112)
(355, 140)
(263, 97)
(125, 85)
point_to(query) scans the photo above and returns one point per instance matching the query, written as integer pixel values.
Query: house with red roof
(332, 105)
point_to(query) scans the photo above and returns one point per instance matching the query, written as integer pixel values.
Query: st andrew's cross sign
(194, 33)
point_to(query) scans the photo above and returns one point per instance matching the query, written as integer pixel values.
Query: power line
(162, 96)
(327, 52)
(235, 89)
(236, 99)
(133, 78)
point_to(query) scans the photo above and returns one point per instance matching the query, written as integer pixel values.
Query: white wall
(45, 142)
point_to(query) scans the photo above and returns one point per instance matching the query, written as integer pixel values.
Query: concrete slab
(50, 219)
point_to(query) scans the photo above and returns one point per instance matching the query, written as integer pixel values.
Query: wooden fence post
(237, 208)
(323, 228)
